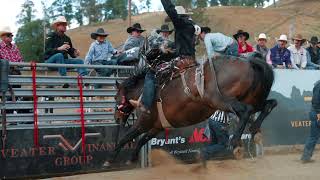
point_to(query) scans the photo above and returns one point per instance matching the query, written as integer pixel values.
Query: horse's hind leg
(267, 108)
(144, 139)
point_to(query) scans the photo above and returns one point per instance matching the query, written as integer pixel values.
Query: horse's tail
(263, 75)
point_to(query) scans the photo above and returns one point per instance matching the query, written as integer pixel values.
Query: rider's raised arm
(171, 11)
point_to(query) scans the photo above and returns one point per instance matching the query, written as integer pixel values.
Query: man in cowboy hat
(59, 47)
(100, 52)
(244, 47)
(185, 38)
(261, 47)
(161, 38)
(8, 50)
(298, 53)
(135, 38)
(279, 56)
(218, 43)
(314, 50)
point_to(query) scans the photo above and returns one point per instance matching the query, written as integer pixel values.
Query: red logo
(198, 137)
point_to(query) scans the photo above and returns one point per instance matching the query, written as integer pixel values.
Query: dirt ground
(270, 167)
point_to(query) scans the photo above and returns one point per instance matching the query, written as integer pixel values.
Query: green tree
(62, 8)
(117, 9)
(224, 2)
(201, 3)
(29, 39)
(27, 13)
(213, 2)
(185, 3)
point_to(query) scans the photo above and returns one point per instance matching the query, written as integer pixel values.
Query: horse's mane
(134, 77)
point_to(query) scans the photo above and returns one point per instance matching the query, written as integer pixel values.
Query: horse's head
(123, 108)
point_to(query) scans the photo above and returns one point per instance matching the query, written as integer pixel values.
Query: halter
(125, 107)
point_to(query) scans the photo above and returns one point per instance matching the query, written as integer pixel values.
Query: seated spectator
(218, 43)
(244, 47)
(261, 46)
(314, 50)
(279, 55)
(310, 64)
(59, 46)
(298, 53)
(135, 38)
(100, 52)
(8, 50)
(161, 37)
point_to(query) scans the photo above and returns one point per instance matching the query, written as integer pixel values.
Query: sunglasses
(9, 35)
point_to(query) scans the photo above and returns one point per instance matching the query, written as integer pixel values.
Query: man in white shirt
(298, 53)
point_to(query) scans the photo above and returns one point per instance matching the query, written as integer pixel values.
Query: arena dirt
(270, 167)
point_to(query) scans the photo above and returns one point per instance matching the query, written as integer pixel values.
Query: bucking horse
(230, 84)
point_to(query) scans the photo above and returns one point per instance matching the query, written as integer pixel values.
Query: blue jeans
(219, 140)
(313, 137)
(59, 59)
(148, 89)
(233, 49)
(104, 72)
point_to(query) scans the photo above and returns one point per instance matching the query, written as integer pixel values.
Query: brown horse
(231, 84)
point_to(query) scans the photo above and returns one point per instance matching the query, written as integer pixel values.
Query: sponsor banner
(61, 152)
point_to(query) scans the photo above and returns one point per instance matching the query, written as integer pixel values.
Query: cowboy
(314, 50)
(59, 47)
(100, 52)
(218, 133)
(185, 36)
(261, 47)
(244, 47)
(8, 50)
(135, 38)
(218, 43)
(279, 56)
(315, 125)
(161, 38)
(298, 53)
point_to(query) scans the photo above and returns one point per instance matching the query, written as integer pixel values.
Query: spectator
(314, 50)
(244, 47)
(100, 52)
(279, 55)
(135, 38)
(161, 38)
(298, 53)
(261, 46)
(59, 46)
(218, 43)
(310, 64)
(8, 50)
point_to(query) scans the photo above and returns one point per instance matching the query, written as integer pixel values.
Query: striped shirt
(220, 116)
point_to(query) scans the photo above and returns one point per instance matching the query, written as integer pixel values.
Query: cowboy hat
(299, 37)
(283, 37)
(164, 28)
(182, 11)
(241, 32)
(314, 40)
(5, 30)
(205, 29)
(262, 36)
(99, 32)
(60, 19)
(135, 27)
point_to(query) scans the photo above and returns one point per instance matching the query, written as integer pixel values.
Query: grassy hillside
(302, 16)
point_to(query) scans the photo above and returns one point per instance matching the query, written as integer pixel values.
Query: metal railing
(64, 102)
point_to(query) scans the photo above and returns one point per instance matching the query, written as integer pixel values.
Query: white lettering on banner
(162, 142)
(184, 151)
(246, 136)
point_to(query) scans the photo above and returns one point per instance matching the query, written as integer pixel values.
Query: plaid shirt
(10, 52)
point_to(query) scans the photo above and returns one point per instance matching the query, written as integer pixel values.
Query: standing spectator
(100, 52)
(244, 47)
(279, 56)
(218, 43)
(8, 50)
(135, 38)
(261, 47)
(298, 53)
(59, 46)
(314, 50)
(314, 116)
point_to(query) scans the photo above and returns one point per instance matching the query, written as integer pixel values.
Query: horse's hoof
(106, 164)
(258, 138)
(238, 153)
